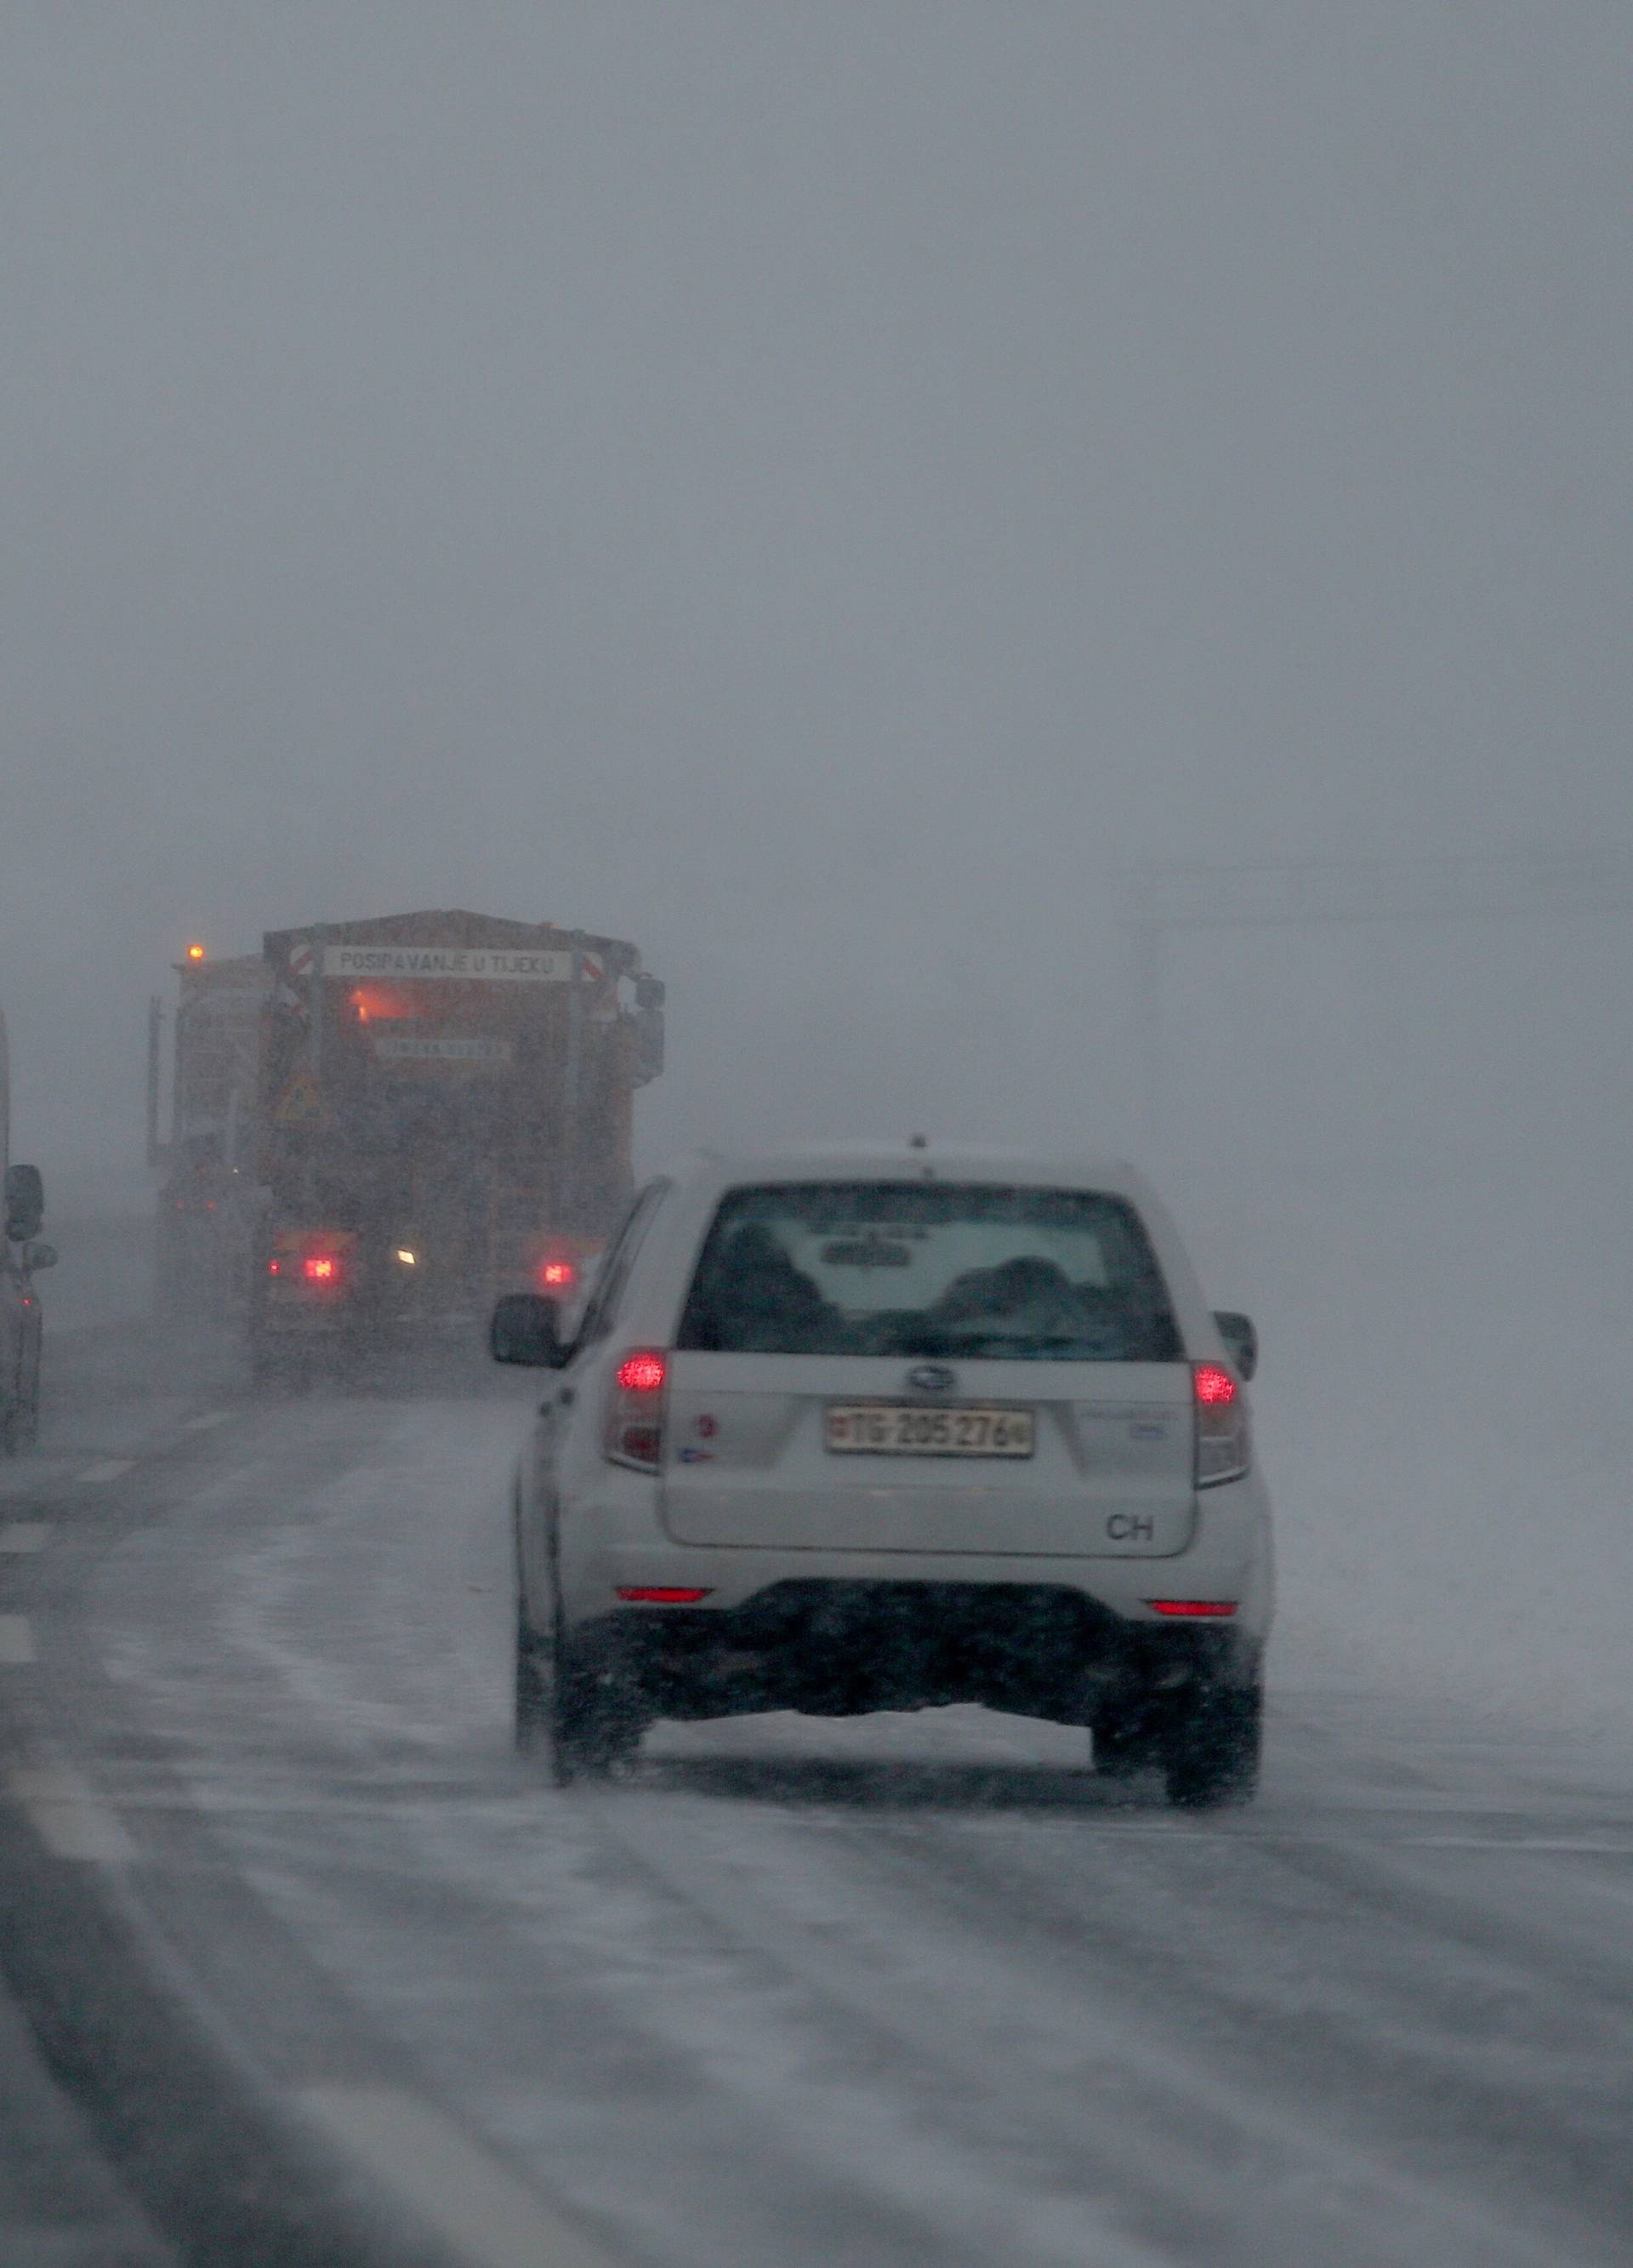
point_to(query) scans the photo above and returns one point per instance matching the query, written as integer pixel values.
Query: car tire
(1211, 1746)
(593, 1728)
(1124, 1747)
(563, 1710)
(532, 1696)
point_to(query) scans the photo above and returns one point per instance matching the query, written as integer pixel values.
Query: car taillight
(1202, 1607)
(558, 1274)
(635, 1410)
(662, 1595)
(321, 1268)
(1224, 1450)
(274, 1267)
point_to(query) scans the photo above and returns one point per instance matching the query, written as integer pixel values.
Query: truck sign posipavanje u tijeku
(436, 1108)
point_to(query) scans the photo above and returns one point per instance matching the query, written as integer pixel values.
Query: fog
(827, 491)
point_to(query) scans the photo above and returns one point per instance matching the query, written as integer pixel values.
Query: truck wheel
(1210, 1749)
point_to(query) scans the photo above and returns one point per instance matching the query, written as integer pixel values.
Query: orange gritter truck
(433, 1109)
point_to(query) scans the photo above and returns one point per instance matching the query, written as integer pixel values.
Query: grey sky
(810, 488)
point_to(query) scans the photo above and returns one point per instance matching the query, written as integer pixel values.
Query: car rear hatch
(925, 1365)
(755, 1456)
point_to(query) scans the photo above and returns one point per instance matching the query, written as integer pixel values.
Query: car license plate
(893, 1429)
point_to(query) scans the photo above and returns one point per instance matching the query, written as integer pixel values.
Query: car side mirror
(1240, 1338)
(525, 1329)
(24, 1202)
(36, 1256)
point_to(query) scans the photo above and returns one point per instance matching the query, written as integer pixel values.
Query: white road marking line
(24, 1535)
(17, 1641)
(204, 1424)
(490, 2218)
(109, 1470)
(67, 1818)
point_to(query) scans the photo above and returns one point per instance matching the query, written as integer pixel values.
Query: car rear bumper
(1067, 1637)
(843, 1648)
(609, 1539)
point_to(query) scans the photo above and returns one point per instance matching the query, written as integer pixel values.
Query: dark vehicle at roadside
(21, 1256)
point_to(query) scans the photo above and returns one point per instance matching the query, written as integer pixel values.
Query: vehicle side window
(603, 1308)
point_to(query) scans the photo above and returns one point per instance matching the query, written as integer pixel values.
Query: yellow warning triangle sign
(302, 1104)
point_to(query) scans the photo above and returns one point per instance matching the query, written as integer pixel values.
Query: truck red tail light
(1224, 1450)
(635, 1410)
(558, 1274)
(321, 1268)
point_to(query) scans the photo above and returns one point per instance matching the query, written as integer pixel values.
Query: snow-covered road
(914, 1991)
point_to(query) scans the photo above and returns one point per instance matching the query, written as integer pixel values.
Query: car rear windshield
(930, 1268)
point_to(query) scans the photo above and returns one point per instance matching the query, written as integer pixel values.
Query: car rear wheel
(1124, 1746)
(533, 1695)
(596, 1724)
(1210, 1749)
(567, 1714)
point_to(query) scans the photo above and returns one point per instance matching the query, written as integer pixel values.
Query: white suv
(850, 1430)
